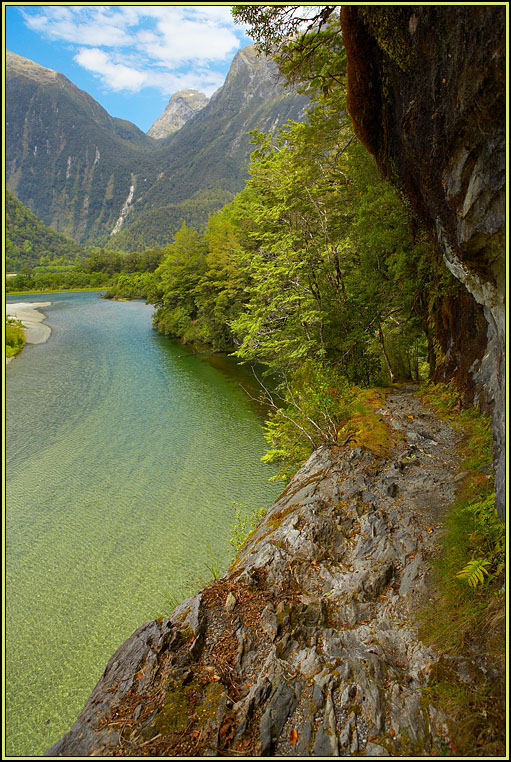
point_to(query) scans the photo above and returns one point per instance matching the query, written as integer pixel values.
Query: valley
(327, 231)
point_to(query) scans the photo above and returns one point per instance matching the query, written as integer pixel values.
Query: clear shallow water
(125, 453)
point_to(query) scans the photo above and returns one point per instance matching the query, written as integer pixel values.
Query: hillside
(27, 239)
(68, 160)
(89, 175)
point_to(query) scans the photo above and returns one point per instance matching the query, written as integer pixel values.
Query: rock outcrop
(309, 644)
(180, 108)
(426, 91)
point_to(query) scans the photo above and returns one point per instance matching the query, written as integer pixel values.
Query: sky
(130, 58)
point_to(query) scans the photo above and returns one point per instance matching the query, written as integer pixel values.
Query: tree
(179, 274)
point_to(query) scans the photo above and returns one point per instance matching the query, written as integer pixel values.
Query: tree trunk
(387, 361)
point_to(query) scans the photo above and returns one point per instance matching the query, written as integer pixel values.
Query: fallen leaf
(293, 737)
(392, 732)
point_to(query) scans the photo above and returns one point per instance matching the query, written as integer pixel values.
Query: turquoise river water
(124, 455)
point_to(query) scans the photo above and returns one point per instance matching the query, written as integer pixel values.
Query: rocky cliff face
(308, 645)
(426, 91)
(181, 107)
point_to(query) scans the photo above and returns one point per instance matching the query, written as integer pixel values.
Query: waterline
(124, 456)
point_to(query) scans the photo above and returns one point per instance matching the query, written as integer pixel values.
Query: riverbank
(310, 643)
(55, 291)
(32, 321)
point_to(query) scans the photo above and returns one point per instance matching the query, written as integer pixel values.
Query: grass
(468, 620)
(244, 524)
(14, 337)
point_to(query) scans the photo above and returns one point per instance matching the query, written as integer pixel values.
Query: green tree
(180, 273)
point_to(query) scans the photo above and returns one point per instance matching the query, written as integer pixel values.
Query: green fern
(474, 571)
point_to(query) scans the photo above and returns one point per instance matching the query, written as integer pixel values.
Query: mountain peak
(181, 107)
(18, 64)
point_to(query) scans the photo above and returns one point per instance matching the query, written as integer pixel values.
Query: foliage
(55, 281)
(305, 41)
(312, 270)
(28, 240)
(467, 614)
(244, 524)
(473, 573)
(134, 286)
(313, 405)
(14, 337)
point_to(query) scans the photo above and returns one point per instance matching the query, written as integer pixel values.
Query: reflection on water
(124, 456)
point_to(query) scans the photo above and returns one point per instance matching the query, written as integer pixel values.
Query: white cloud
(135, 46)
(116, 76)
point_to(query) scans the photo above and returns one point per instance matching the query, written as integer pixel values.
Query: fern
(474, 571)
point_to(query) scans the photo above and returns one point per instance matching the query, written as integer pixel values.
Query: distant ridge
(102, 181)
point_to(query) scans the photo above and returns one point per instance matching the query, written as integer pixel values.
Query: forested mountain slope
(27, 239)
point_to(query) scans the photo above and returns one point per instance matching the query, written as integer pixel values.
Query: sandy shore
(27, 312)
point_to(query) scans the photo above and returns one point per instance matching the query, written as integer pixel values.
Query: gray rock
(230, 602)
(282, 704)
(375, 750)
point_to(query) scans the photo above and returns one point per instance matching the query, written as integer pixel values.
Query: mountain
(27, 238)
(103, 181)
(181, 107)
(67, 159)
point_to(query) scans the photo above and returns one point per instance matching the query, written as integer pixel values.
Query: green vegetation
(243, 525)
(467, 615)
(313, 271)
(44, 264)
(28, 240)
(14, 337)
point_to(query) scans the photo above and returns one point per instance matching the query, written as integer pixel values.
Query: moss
(174, 716)
(370, 431)
(390, 25)
(186, 705)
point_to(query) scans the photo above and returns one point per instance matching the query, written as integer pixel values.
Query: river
(125, 453)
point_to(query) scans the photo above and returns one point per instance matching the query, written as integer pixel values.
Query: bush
(14, 337)
(314, 404)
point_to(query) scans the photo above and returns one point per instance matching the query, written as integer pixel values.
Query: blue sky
(130, 58)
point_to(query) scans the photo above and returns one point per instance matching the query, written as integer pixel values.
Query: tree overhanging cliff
(426, 92)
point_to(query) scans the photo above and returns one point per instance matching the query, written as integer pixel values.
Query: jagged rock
(181, 107)
(375, 750)
(320, 652)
